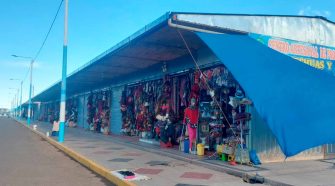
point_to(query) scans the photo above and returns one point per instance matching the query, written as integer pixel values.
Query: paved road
(26, 159)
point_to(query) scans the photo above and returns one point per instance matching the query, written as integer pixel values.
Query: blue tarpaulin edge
(295, 100)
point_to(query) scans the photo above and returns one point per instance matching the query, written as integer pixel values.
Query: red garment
(100, 106)
(195, 91)
(140, 122)
(192, 115)
(209, 74)
(197, 77)
(192, 134)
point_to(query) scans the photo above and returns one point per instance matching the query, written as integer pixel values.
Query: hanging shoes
(233, 102)
(245, 101)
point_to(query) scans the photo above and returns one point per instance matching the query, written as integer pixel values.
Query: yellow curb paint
(102, 171)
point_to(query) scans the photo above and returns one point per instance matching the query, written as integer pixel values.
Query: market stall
(71, 116)
(98, 111)
(204, 108)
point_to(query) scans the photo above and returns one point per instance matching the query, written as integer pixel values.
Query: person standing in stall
(55, 127)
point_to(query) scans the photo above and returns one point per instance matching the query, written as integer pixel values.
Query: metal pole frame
(17, 103)
(30, 89)
(20, 113)
(63, 86)
(11, 110)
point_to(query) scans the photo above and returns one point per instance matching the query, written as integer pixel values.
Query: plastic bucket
(231, 157)
(224, 157)
(200, 149)
(219, 149)
(186, 146)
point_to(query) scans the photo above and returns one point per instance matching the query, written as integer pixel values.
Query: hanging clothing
(192, 114)
(192, 134)
(191, 117)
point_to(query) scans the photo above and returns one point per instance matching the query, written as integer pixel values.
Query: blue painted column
(63, 86)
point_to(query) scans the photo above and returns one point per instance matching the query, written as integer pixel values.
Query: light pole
(63, 86)
(30, 86)
(16, 100)
(12, 102)
(20, 107)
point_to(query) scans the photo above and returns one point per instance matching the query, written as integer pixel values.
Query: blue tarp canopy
(295, 100)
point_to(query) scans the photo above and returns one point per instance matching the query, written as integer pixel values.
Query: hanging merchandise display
(71, 112)
(165, 116)
(90, 112)
(137, 109)
(53, 113)
(151, 110)
(223, 110)
(98, 112)
(49, 112)
(212, 126)
(204, 108)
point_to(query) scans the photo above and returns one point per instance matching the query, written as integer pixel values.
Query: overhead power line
(46, 37)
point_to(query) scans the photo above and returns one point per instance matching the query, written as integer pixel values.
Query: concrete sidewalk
(171, 167)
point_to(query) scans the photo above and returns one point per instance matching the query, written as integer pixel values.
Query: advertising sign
(317, 56)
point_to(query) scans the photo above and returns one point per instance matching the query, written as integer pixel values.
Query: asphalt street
(27, 159)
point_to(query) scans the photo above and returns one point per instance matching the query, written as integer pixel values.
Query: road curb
(93, 166)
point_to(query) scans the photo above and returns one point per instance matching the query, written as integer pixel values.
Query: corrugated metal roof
(154, 43)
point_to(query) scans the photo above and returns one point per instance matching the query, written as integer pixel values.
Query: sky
(95, 26)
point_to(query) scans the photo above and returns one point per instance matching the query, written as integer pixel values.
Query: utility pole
(63, 86)
(21, 100)
(30, 87)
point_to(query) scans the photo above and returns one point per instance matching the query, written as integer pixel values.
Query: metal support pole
(20, 113)
(11, 106)
(63, 86)
(17, 103)
(30, 89)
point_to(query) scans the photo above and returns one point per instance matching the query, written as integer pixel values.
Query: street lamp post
(15, 104)
(63, 86)
(16, 101)
(20, 106)
(11, 105)
(21, 101)
(30, 86)
(12, 108)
